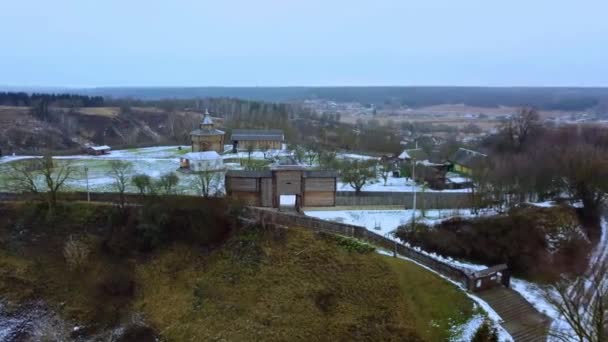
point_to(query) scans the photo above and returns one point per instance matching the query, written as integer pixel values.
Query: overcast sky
(307, 42)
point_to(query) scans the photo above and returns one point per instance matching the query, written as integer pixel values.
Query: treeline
(529, 162)
(236, 113)
(22, 99)
(541, 98)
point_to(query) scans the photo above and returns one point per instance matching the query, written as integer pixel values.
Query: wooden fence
(470, 280)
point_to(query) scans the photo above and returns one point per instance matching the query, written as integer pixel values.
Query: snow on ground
(503, 335)
(259, 155)
(383, 222)
(465, 333)
(394, 184)
(535, 294)
(152, 161)
(546, 204)
(355, 156)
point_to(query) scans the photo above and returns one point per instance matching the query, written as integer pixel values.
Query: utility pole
(86, 174)
(414, 191)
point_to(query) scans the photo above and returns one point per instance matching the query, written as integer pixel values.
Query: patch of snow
(394, 184)
(355, 156)
(546, 204)
(384, 222)
(466, 331)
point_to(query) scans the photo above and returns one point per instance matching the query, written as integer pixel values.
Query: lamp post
(86, 174)
(414, 191)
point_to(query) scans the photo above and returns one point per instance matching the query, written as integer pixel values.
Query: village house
(207, 137)
(245, 139)
(97, 150)
(464, 161)
(413, 154)
(201, 161)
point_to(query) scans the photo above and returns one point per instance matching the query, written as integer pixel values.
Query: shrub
(76, 253)
(485, 333)
(354, 245)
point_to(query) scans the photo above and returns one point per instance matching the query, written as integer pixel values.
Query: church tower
(207, 137)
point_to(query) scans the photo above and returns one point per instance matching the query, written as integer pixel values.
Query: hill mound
(261, 284)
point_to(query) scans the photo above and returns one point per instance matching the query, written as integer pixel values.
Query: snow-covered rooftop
(99, 148)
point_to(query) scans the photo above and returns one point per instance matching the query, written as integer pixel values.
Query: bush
(534, 242)
(350, 244)
(485, 333)
(76, 253)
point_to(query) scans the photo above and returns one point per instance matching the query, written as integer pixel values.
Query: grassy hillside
(270, 285)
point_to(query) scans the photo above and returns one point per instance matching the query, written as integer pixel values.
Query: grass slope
(295, 285)
(271, 285)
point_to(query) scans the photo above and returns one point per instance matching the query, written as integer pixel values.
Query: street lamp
(414, 191)
(86, 174)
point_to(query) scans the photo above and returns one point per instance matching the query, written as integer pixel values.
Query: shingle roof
(414, 153)
(248, 174)
(202, 131)
(256, 134)
(467, 158)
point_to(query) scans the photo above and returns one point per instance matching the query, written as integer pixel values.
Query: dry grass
(110, 112)
(300, 286)
(271, 285)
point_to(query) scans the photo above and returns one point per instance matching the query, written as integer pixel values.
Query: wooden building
(464, 161)
(207, 137)
(98, 150)
(201, 161)
(311, 188)
(245, 139)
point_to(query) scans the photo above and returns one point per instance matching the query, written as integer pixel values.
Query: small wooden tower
(207, 137)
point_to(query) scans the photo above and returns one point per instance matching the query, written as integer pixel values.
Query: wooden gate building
(312, 188)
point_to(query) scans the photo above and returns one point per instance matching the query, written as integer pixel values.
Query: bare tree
(583, 304)
(143, 183)
(120, 170)
(357, 173)
(23, 176)
(520, 127)
(206, 182)
(584, 174)
(168, 182)
(55, 177)
(385, 170)
(42, 175)
(312, 153)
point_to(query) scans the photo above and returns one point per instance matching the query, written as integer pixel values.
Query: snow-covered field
(394, 184)
(152, 161)
(384, 221)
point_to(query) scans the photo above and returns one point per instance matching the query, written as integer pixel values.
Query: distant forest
(22, 99)
(414, 97)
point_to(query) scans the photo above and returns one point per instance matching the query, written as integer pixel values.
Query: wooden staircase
(520, 318)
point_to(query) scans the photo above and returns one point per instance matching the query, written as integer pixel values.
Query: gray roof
(320, 174)
(256, 134)
(248, 174)
(202, 131)
(467, 158)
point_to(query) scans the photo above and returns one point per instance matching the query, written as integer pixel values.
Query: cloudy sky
(303, 42)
